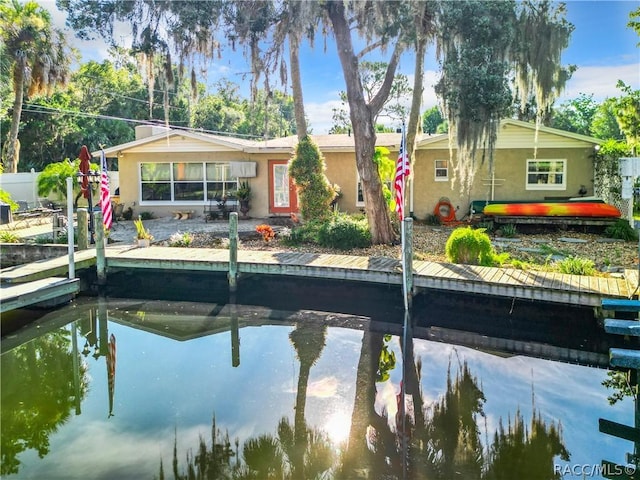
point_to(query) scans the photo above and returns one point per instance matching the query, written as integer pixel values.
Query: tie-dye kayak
(553, 209)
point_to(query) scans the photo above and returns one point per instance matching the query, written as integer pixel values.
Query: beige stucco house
(165, 170)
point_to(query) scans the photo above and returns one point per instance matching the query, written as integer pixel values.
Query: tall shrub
(472, 247)
(307, 169)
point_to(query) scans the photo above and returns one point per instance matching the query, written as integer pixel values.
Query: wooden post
(235, 331)
(233, 251)
(83, 229)
(101, 260)
(70, 235)
(407, 260)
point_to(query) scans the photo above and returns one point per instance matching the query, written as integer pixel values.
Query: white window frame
(445, 168)
(172, 182)
(546, 186)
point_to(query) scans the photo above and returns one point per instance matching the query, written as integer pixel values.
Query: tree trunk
(362, 120)
(357, 456)
(12, 153)
(300, 424)
(415, 119)
(296, 85)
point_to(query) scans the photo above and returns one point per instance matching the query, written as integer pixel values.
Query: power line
(113, 94)
(42, 109)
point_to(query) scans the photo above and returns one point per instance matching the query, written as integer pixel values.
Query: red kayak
(559, 209)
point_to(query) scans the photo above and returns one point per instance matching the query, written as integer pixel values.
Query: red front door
(283, 196)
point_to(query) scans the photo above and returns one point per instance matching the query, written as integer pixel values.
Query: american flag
(402, 172)
(105, 194)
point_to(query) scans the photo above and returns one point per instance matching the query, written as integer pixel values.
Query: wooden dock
(503, 282)
(53, 289)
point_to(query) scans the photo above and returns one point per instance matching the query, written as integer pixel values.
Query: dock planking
(20, 295)
(47, 268)
(472, 279)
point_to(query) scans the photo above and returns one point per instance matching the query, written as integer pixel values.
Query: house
(163, 170)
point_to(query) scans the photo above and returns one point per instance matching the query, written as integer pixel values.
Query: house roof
(326, 143)
(524, 138)
(513, 134)
(231, 143)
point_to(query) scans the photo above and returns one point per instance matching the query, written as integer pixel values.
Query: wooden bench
(182, 214)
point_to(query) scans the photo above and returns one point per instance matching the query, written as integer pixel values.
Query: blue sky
(602, 46)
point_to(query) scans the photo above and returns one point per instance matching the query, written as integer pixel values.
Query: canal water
(113, 388)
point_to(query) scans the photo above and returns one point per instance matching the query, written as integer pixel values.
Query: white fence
(23, 186)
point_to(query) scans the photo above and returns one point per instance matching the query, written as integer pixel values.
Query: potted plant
(243, 194)
(143, 237)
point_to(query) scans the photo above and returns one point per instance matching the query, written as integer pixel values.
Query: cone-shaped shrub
(307, 169)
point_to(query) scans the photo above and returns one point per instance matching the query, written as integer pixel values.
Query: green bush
(9, 237)
(305, 233)
(577, 266)
(146, 215)
(487, 226)
(472, 247)
(307, 169)
(509, 230)
(5, 197)
(344, 232)
(622, 230)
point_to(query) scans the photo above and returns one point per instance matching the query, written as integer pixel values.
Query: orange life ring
(445, 211)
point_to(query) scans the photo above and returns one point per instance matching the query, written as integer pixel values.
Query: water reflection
(316, 395)
(40, 389)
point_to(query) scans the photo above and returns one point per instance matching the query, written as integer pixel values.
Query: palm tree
(308, 340)
(39, 56)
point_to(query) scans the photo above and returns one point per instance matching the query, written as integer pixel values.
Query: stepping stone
(609, 240)
(506, 239)
(529, 250)
(539, 240)
(572, 240)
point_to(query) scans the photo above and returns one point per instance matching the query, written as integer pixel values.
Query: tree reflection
(518, 452)
(295, 452)
(308, 340)
(38, 394)
(452, 430)
(444, 439)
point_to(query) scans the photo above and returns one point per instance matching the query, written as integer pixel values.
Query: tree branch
(377, 102)
(369, 48)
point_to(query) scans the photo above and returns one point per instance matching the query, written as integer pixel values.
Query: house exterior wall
(510, 168)
(130, 195)
(341, 170)
(510, 174)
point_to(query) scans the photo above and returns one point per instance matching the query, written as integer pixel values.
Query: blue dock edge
(621, 305)
(621, 357)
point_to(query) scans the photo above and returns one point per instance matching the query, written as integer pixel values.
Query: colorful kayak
(550, 209)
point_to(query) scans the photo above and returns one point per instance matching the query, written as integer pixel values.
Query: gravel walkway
(429, 242)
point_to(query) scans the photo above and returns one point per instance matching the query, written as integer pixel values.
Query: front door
(283, 196)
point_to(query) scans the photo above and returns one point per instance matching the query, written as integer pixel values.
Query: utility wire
(42, 109)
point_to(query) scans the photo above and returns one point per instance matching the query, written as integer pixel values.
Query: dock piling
(233, 251)
(101, 260)
(83, 229)
(407, 261)
(70, 235)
